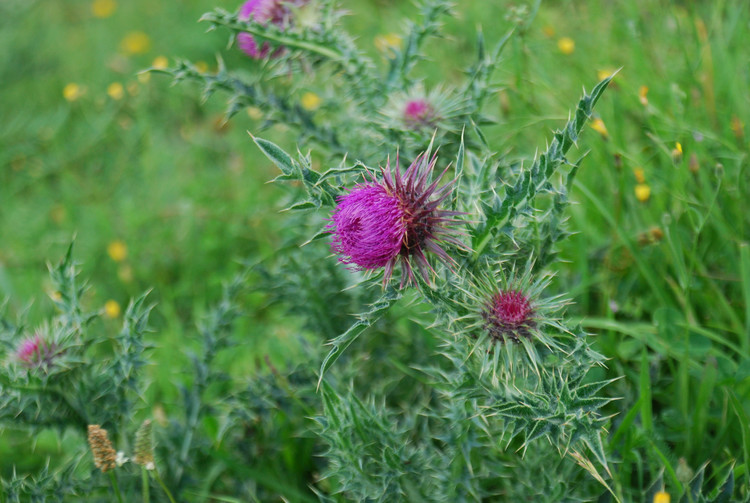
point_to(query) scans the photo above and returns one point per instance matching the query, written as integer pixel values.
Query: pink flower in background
(34, 351)
(277, 12)
(508, 315)
(419, 112)
(397, 219)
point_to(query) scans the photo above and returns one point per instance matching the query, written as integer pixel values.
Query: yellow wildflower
(135, 42)
(201, 66)
(677, 153)
(642, 192)
(115, 91)
(642, 92)
(72, 91)
(55, 296)
(125, 273)
(112, 309)
(598, 126)
(255, 113)
(57, 213)
(662, 497)
(737, 128)
(656, 233)
(160, 415)
(117, 250)
(160, 63)
(18, 163)
(548, 30)
(566, 45)
(604, 73)
(693, 164)
(103, 8)
(310, 101)
(388, 42)
(640, 177)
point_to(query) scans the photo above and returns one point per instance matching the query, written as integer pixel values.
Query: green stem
(115, 487)
(145, 485)
(163, 486)
(263, 32)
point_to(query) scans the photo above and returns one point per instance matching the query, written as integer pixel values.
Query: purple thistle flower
(508, 314)
(419, 112)
(35, 351)
(264, 11)
(382, 222)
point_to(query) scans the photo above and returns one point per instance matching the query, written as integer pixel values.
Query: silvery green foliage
(490, 403)
(698, 488)
(485, 409)
(77, 387)
(356, 117)
(44, 487)
(448, 414)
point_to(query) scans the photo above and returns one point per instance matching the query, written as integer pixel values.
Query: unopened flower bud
(508, 315)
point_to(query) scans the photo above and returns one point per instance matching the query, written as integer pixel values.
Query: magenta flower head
(278, 12)
(419, 113)
(35, 351)
(397, 219)
(509, 315)
(422, 112)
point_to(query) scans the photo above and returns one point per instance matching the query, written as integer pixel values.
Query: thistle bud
(419, 113)
(508, 315)
(105, 457)
(36, 352)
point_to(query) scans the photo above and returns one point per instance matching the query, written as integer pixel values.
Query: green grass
(187, 196)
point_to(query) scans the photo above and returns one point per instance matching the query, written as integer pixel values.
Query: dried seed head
(396, 219)
(144, 448)
(105, 457)
(508, 315)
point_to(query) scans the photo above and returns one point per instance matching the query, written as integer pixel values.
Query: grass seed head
(105, 457)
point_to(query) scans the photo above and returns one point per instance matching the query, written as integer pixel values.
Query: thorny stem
(269, 100)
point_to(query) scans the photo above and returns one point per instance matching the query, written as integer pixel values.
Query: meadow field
(160, 192)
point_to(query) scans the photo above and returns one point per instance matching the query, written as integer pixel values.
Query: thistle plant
(510, 368)
(461, 377)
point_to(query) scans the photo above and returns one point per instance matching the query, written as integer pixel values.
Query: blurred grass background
(160, 193)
